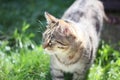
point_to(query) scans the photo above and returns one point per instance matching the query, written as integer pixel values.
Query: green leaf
(25, 26)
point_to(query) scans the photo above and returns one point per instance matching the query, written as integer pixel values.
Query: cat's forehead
(47, 32)
(56, 28)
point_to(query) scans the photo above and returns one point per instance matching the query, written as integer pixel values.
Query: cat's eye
(60, 47)
(60, 43)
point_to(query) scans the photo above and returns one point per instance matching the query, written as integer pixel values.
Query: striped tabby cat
(72, 41)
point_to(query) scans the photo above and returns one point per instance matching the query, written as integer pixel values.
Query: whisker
(42, 25)
(40, 28)
(39, 31)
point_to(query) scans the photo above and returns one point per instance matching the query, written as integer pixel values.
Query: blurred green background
(13, 13)
(22, 57)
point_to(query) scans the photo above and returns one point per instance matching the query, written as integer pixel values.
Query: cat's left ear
(50, 18)
(68, 32)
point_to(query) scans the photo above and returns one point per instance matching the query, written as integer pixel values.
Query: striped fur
(72, 41)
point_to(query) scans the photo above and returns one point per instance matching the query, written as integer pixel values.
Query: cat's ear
(50, 18)
(68, 32)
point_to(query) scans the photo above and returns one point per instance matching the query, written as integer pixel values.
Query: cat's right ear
(50, 18)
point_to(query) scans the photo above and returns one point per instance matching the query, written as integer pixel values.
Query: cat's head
(59, 35)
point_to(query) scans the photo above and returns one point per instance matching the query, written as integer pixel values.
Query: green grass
(25, 65)
(21, 58)
(107, 64)
(21, 54)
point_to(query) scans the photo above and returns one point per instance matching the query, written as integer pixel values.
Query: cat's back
(79, 8)
(91, 11)
(75, 11)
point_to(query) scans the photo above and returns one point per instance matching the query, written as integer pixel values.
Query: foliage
(13, 13)
(107, 64)
(23, 61)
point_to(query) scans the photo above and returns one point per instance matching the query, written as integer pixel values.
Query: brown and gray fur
(72, 41)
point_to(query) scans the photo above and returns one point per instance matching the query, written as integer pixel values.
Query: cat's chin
(50, 52)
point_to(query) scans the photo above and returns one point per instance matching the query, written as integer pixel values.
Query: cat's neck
(70, 57)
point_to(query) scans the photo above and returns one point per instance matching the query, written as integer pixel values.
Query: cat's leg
(79, 75)
(57, 74)
(82, 73)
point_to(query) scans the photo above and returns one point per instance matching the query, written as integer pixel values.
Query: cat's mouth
(51, 50)
(45, 46)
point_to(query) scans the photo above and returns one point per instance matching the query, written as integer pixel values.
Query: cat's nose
(45, 45)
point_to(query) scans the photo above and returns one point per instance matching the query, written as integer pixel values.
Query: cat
(72, 41)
